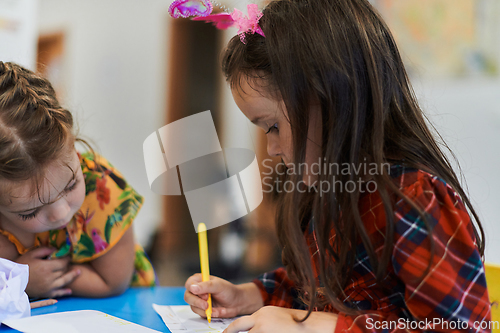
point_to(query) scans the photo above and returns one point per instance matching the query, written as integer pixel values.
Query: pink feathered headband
(201, 9)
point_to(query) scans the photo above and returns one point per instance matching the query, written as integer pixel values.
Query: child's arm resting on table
(110, 274)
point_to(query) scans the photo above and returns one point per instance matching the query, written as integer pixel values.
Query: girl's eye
(33, 214)
(28, 216)
(71, 187)
(272, 128)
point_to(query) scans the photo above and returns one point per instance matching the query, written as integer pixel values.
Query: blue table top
(134, 305)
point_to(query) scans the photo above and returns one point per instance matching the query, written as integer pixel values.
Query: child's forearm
(91, 284)
(110, 274)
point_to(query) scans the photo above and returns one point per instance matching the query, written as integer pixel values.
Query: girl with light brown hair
(67, 215)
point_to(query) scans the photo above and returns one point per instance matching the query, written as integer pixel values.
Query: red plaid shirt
(454, 290)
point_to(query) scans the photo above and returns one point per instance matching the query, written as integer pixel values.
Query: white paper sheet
(76, 322)
(14, 302)
(181, 319)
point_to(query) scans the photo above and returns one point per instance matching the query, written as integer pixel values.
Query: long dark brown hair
(341, 53)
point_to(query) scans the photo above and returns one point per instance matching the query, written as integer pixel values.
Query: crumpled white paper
(14, 302)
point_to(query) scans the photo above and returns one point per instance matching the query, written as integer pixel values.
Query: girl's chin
(63, 226)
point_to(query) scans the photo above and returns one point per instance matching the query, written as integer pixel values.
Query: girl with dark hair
(382, 235)
(58, 204)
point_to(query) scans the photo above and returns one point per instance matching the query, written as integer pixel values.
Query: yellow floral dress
(108, 210)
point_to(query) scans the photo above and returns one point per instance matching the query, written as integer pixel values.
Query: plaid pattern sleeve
(452, 294)
(278, 290)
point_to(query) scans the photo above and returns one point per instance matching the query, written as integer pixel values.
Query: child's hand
(228, 300)
(276, 319)
(47, 277)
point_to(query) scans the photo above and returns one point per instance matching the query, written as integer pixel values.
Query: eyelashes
(28, 216)
(72, 187)
(272, 128)
(33, 214)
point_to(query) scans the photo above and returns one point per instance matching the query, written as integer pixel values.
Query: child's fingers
(216, 312)
(195, 301)
(41, 252)
(199, 311)
(60, 293)
(193, 279)
(221, 312)
(60, 264)
(242, 324)
(208, 287)
(66, 278)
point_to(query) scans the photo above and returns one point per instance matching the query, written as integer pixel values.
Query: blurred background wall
(111, 74)
(125, 68)
(452, 52)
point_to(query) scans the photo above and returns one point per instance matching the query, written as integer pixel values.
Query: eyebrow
(48, 203)
(256, 120)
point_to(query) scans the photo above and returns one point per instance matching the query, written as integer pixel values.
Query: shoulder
(95, 166)
(424, 202)
(408, 177)
(109, 209)
(414, 185)
(95, 162)
(431, 207)
(428, 192)
(7, 249)
(433, 235)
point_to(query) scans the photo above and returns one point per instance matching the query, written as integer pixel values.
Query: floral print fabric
(108, 210)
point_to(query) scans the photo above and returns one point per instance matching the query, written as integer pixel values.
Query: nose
(273, 146)
(60, 210)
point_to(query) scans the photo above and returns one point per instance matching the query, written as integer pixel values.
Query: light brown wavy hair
(35, 129)
(341, 53)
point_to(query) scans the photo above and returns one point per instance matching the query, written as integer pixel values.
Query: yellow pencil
(205, 269)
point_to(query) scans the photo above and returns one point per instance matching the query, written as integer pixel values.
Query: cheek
(37, 224)
(313, 153)
(286, 142)
(80, 194)
(77, 196)
(313, 145)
